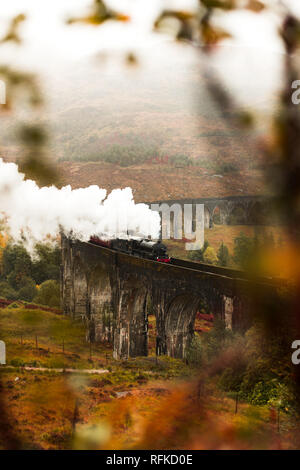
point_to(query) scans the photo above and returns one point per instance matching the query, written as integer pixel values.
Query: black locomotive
(148, 249)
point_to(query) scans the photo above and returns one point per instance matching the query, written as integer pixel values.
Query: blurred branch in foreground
(99, 14)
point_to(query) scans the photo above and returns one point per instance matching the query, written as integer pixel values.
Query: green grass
(21, 328)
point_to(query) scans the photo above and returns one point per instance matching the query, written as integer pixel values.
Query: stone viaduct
(241, 210)
(110, 292)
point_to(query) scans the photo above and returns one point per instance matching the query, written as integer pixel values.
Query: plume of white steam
(34, 214)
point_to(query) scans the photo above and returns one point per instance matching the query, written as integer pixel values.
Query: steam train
(148, 249)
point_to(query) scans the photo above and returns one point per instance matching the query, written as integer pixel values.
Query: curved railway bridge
(111, 290)
(247, 210)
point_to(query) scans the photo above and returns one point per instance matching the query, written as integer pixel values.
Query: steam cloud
(33, 213)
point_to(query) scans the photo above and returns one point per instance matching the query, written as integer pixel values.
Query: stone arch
(216, 215)
(207, 217)
(176, 313)
(138, 325)
(237, 215)
(256, 213)
(179, 323)
(220, 214)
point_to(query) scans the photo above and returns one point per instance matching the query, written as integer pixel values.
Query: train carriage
(149, 249)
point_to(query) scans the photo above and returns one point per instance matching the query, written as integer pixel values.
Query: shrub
(181, 160)
(225, 168)
(28, 290)
(18, 267)
(15, 258)
(17, 362)
(223, 255)
(259, 373)
(7, 291)
(272, 392)
(123, 155)
(261, 393)
(46, 263)
(243, 250)
(230, 380)
(198, 255)
(194, 352)
(210, 256)
(216, 340)
(15, 305)
(282, 397)
(48, 294)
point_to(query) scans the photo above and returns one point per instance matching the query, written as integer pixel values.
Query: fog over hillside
(91, 102)
(151, 125)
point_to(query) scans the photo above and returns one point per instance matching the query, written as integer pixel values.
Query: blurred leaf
(290, 33)
(223, 4)
(131, 59)
(35, 167)
(99, 14)
(34, 164)
(212, 35)
(185, 29)
(256, 6)
(91, 437)
(179, 14)
(33, 135)
(13, 33)
(16, 80)
(246, 119)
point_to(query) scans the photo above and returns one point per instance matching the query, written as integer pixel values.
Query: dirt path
(68, 371)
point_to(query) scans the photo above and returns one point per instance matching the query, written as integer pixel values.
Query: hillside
(157, 130)
(162, 182)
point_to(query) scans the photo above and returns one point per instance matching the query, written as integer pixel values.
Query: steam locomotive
(148, 249)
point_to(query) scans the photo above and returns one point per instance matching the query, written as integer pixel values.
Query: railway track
(218, 271)
(227, 272)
